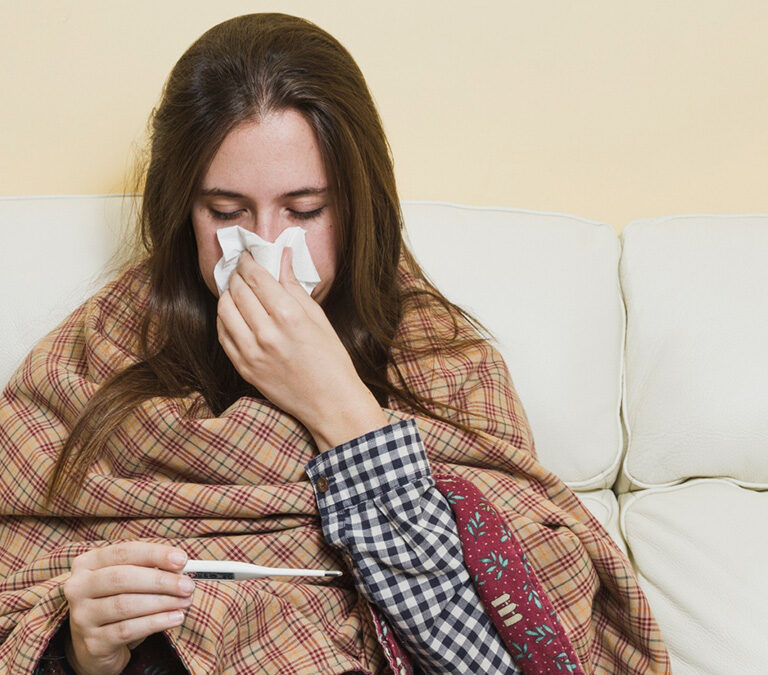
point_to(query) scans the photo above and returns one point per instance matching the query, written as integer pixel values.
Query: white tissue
(234, 240)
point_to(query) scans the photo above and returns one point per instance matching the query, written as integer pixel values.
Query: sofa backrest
(53, 254)
(544, 283)
(548, 287)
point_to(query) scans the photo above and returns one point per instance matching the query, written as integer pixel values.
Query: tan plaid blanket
(234, 487)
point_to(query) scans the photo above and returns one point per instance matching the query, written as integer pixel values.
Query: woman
(164, 416)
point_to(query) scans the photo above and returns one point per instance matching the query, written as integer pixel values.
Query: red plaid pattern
(233, 487)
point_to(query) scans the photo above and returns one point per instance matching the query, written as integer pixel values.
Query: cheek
(208, 252)
(322, 247)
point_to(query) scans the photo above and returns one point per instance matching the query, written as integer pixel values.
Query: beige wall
(608, 109)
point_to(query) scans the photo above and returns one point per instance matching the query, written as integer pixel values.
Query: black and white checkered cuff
(368, 465)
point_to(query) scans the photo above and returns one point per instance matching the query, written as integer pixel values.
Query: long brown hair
(237, 72)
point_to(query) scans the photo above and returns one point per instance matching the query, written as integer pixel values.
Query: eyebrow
(219, 192)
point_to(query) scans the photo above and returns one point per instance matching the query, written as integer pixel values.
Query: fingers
(124, 632)
(287, 275)
(292, 285)
(131, 553)
(131, 605)
(243, 342)
(226, 340)
(231, 318)
(269, 291)
(245, 301)
(120, 594)
(132, 579)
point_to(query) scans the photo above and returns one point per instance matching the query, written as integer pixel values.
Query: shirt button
(322, 484)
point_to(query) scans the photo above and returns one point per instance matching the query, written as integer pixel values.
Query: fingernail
(177, 558)
(186, 585)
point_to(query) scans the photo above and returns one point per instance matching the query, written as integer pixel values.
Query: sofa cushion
(696, 400)
(699, 550)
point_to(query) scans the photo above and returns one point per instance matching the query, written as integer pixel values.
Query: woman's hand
(116, 599)
(280, 340)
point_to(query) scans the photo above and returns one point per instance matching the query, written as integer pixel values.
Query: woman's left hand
(280, 340)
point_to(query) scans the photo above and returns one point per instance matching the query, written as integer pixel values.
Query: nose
(267, 224)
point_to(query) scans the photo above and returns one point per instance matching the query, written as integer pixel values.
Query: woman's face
(266, 177)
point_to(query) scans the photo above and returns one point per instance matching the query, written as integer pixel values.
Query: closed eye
(298, 215)
(224, 215)
(306, 215)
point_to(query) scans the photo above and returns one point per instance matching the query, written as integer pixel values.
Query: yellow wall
(608, 109)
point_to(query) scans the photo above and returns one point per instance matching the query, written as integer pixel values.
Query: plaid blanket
(233, 487)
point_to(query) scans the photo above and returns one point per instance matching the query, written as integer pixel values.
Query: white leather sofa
(641, 361)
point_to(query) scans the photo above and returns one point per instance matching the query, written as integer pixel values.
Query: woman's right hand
(116, 599)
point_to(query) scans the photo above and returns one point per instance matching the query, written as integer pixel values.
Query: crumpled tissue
(234, 240)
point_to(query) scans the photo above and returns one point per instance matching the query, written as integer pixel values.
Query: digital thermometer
(237, 571)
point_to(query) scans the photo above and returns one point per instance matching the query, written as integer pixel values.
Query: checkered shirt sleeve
(379, 505)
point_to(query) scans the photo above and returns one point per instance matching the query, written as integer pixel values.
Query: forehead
(277, 154)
